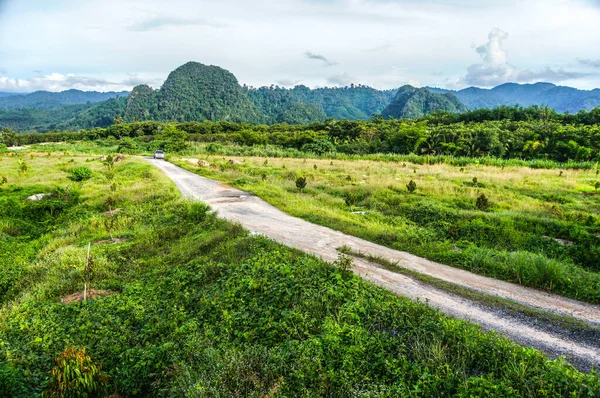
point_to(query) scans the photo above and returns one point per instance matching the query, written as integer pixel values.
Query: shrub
(301, 183)
(3, 180)
(482, 202)
(75, 375)
(411, 186)
(319, 147)
(80, 174)
(23, 166)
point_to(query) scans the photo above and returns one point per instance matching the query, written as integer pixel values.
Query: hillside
(48, 100)
(559, 98)
(411, 102)
(355, 102)
(200, 92)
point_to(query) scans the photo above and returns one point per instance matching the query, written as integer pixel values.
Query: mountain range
(48, 100)
(560, 98)
(197, 92)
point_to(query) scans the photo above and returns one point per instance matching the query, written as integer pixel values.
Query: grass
(199, 307)
(542, 228)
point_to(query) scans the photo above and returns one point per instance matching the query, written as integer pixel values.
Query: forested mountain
(559, 98)
(352, 102)
(48, 100)
(194, 92)
(411, 102)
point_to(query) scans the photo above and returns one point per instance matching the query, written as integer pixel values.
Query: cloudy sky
(109, 45)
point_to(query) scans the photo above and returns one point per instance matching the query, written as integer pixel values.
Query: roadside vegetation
(180, 303)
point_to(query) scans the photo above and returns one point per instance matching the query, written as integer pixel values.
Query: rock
(193, 162)
(119, 158)
(203, 163)
(233, 162)
(38, 196)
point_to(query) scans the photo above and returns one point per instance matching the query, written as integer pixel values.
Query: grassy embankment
(195, 306)
(541, 228)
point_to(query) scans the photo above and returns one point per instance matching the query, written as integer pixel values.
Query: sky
(113, 45)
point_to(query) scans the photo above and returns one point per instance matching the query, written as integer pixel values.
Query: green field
(188, 305)
(540, 228)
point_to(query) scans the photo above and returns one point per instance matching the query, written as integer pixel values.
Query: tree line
(523, 133)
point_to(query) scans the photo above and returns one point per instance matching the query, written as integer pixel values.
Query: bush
(319, 147)
(482, 202)
(411, 186)
(301, 183)
(75, 375)
(80, 174)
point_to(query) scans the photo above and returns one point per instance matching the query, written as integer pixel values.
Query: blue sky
(114, 45)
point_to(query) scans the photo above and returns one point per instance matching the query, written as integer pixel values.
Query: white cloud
(594, 63)
(341, 79)
(495, 69)
(158, 22)
(319, 57)
(61, 82)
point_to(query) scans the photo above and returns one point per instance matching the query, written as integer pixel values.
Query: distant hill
(355, 102)
(559, 98)
(48, 100)
(194, 91)
(2, 94)
(411, 102)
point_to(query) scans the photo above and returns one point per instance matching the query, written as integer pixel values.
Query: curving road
(260, 217)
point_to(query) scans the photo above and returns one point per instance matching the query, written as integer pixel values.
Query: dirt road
(260, 217)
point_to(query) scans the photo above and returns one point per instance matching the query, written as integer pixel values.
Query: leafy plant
(482, 202)
(301, 183)
(22, 166)
(81, 173)
(3, 180)
(411, 186)
(75, 375)
(344, 263)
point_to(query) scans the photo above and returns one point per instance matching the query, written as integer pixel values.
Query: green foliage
(301, 183)
(411, 102)
(319, 147)
(173, 138)
(75, 375)
(411, 186)
(81, 173)
(22, 165)
(482, 202)
(127, 145)
(3, 180)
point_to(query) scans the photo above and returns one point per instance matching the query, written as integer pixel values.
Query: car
(159, 155)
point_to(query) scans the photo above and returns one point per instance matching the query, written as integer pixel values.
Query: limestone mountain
(411, 102)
